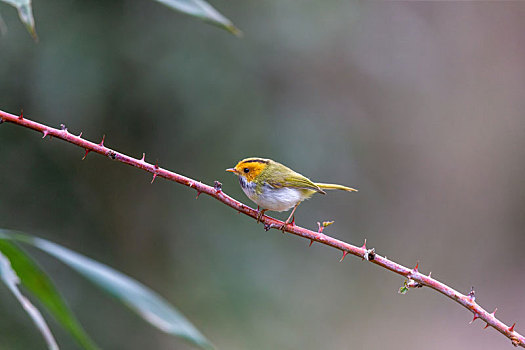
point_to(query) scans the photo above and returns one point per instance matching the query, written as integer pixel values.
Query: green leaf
(149, 305)
(37, 282)
(25, 12)
(204, 11)
(11, 280)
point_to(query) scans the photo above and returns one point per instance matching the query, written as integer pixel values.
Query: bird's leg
(260, 214)
(291, 218)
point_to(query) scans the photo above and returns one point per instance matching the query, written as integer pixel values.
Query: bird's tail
(335, 187)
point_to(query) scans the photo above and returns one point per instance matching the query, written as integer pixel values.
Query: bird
(275, 187)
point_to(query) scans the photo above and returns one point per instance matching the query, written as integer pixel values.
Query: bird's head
(250, 168)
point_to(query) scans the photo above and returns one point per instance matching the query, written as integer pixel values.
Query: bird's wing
(296, 181)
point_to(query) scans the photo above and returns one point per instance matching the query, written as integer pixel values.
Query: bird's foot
(287, 222)
(260, 214)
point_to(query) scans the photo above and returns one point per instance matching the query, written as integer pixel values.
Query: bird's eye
(246, 170)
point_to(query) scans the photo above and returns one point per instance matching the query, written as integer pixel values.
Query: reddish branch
(415, 279)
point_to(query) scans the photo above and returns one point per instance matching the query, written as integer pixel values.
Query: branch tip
(321, 226)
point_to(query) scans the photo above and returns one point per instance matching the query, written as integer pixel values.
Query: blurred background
(418, 105)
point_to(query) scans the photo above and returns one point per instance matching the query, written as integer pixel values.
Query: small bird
(273, 186)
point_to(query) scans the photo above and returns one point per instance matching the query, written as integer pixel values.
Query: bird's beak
(231, 170)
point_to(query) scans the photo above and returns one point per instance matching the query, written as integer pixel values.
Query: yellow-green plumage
(274, 186)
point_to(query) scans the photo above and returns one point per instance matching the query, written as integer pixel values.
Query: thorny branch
(415, 279)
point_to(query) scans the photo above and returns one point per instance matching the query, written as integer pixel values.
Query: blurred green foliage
(40, 285)
(139, 298)
(418, 105)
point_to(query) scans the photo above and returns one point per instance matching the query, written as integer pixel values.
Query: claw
(288, 222)
(260, 214)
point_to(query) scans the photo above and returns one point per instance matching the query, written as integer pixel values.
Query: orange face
(250, 168)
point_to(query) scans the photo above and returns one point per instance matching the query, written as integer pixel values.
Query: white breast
(275, 199)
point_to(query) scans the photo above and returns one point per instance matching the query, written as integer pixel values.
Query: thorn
(217, 186)
(364, 245)
(493, 313)
(198, 194)
(80, 135)
(311, 242)
(293, 221)
(21, 114)
(472, 294)
(344, 255)
(156, 167)
(486, 326)
(476, 316)
(85, 154)
(63, 127)
(45, 132)
(415, 268)
(143, 159)
(511, 328)
(430, 274)
(102, 142)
